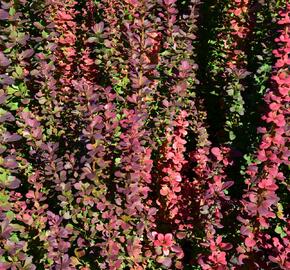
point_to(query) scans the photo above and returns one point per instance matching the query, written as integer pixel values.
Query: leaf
(19, 71)
(217, 152)
(26, 54)
(3, 176)
(280, 231)
(12, 11)
(4, 15)
(38, 25)
(228, 184)
(74, 261)
(232, 135)
(11, 90)
(11, 137)
(165, 261)
(44, 34)
(98, 28)
(10, 215)
(280, 211)
(249, 242)
(4, 61)
(117, 161)
(13, 106)
(13, 182)
(14, 238)
(92, 39)
(140, 81)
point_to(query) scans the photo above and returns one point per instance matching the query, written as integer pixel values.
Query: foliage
(144, 134)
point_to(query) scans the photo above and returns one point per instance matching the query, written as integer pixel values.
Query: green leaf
(14, 238)
(119, 90)
(23, 89)
(232, 135)
(230, 91)
(10, 215)
(12, 11)
(117, 134)
(280, 231)
(117, 161)
(3, 198)
(13, 106)
(44, 34)
(11, 90)
(3, 176)
(2, 111)
(19, 71)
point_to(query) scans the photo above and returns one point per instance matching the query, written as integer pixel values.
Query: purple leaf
(26, 54)
(10, 163)
(5, 229)
(4, 61)
(5, 79)
(15, 183)
(227, 184)
(7, 117)
(2, 98)
(11, 137)
(4, 15)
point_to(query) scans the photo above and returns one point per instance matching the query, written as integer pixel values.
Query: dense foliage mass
(144, 134)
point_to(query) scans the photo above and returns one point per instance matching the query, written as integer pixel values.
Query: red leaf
(250, 242)
(217, 152)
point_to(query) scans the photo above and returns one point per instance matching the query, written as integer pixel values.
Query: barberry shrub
(144, 134)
